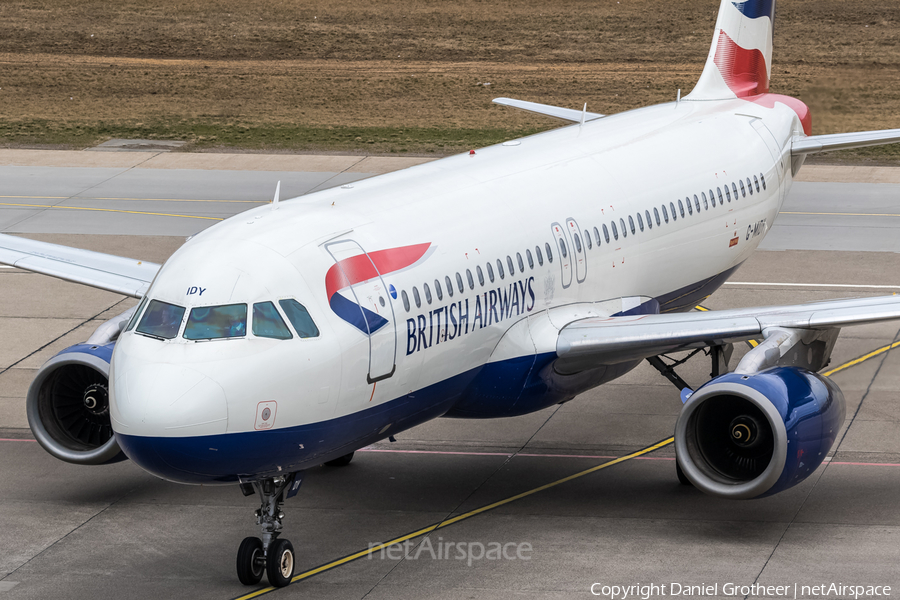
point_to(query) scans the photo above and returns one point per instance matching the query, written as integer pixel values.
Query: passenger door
(360, 297)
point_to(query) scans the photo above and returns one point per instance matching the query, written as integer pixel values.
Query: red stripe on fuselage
(360, 268)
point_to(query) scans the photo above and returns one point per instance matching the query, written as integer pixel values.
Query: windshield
(161, 320)
(299, 318)
(268, 323)
(215, 322)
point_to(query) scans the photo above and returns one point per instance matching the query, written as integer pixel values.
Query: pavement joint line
(451, 521)
(113, 210)
(834, 285)
(840, 214)
(140, 199)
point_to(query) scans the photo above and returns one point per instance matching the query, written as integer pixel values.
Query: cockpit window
(299, 318)
(161, 320)
(216, 322)
(137, 313)
(268, 323)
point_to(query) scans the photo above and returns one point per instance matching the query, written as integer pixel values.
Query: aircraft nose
(165, 400)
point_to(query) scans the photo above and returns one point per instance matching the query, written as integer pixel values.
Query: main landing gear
(269, 555)
(720, 357)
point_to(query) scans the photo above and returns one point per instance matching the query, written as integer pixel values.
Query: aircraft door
(564, 253)
(359, 296)
(579, 252)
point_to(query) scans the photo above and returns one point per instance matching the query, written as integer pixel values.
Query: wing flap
(843, 141)
(595, 341)
(570, 115)
(126, 276)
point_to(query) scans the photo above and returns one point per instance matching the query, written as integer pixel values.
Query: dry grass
(400, 76)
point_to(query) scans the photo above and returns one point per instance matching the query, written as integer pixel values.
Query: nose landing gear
(271, 555)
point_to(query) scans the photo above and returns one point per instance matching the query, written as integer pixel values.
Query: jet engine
(68, 406)
(752, 435)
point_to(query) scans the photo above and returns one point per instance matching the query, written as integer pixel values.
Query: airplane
(484, 285)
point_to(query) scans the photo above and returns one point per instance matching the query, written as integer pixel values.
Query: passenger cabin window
(509, 263)
(500, 268)
(562, 249)
(649, 219)
(705, 201)
(521, 264)
(587, 239)
(137, 313)
(490, 271)
(656, 214)
(756, 181)
(597, 236)
(405, 300)
(631, 223)
(459, 282)
(734, 189)
(268, 323)
(437, 290)
(615, 231)
(696, 203)
(749, 186)
(416, 297)
(217, 322)
(743, 190)
(530, 259)
(719, 190)
(606, 232)
(471, 281)
(687, 200)
(727, 194)
(161, 320)
(577, 243)
(427, 292)
(450, 285)
(540, 256)
(640, 221)
(680, 208)
(480, 275)
(622, 225)
(665, 214)
(763, 179)
(300, 319)
(549, 253)
(672, 208)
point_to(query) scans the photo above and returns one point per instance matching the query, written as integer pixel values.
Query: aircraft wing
(557, 112)
(843, 141)
(117, 274)
(594, 341)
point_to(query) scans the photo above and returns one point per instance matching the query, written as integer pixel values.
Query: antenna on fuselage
(277, 194)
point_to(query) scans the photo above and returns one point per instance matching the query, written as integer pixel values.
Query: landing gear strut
(271, 555)
(719, 356)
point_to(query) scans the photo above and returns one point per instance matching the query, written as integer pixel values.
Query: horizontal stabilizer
(103, 271)
(843, 141)
(557, 112)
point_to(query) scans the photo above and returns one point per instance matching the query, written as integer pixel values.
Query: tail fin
(740, 59)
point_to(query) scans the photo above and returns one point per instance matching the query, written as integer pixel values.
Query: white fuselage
(348, 386)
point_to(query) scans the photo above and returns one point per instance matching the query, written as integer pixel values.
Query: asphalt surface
(114, 531)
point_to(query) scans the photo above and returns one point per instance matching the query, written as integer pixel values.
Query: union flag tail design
(740, 59)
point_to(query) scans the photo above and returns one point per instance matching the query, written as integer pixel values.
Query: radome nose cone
(165, 400)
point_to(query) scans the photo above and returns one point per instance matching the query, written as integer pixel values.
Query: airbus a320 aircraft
(296, 333)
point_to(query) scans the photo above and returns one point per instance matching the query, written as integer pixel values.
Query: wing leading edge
(595, 341)
(126, 276)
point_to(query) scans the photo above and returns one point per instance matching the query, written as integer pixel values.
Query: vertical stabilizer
(740, 59)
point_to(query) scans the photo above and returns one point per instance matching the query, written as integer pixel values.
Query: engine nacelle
(68, 406)
(746, 436)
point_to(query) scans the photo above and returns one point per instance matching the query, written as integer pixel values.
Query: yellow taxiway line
(112, 210)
